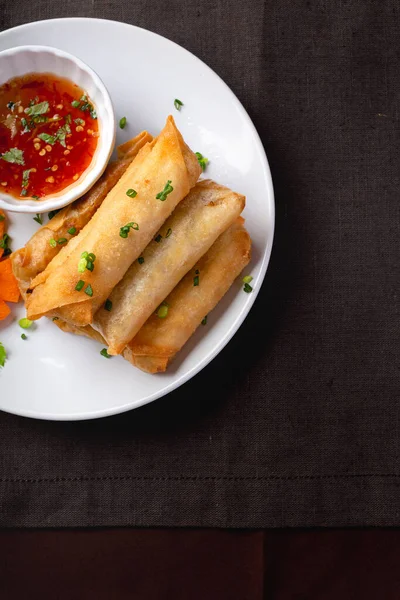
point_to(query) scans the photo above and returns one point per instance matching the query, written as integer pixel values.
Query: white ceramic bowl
(21, 60)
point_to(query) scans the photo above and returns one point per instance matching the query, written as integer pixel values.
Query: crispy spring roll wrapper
(167, 158)
(160, 339)
(34, 257)
(190, 231)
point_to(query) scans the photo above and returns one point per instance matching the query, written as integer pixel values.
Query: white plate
(57, 376)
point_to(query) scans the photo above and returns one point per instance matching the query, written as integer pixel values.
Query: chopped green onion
(25, 323)
(23, 336)
(93, 113)
(140, 260)
(158, 238)
(123, 232)
(2, 217)
(162, 311)
(3, 355)
(53, 213)
(167, 190)
(90, 265)
(131, 193)
(122, 122)
(79, 285)
(247, 279)
(89, 290)
(105, 353)
(91, 256)
(55, 318)
(75, 103)
(72, 230)
(82, 264)
(23, 192)
(79, 121)
(53, 243)
(247, 288)
(178, 104)
(38, 219)
(204, 321)
(168, 232)
(108, 305)
(36, 198)
(62, 241)
(83, 98)
(85, 255)
(202, 160)
(196, 280)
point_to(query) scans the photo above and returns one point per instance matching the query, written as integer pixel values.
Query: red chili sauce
(48, 135)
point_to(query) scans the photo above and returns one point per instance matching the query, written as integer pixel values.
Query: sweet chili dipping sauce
(48, 135)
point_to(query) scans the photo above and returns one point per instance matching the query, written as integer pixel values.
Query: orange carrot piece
(2, 229)
(4, 310)
(8, 284)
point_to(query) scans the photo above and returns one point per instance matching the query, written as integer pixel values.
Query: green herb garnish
(122, 122)
(168, 232)
(89, 290)
(247, 288)
(53, 213)
(25, 125)
(105, 353)
(158, 238)
(62, 241)
(140, 260)
(72, 231)
(131, 193)
(178, 104)
(123, 232)
(79, 285)
(55, 318)
(25, 181)
(75, 103)
(108, 305)
(35, 197)
(202, 160)
(38, 109)
(23, 336)
(47, 138)
(167, 190)
(2, 218)
(62, 133)
(3, 355)
(11, 105)
(196, 280)
(79, 121)
(14, 155)
(162, 310)
(53, 243)
(204, 321)
(82, 264)
(23, 192)
(68, 119)
(247, 279)
(25, 323)
(38, 219)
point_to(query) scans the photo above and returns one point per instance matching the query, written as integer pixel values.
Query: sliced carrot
(4, 310)
(2, 228)
(8, 284)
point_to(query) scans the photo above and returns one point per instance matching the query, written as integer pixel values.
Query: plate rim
(241, 315)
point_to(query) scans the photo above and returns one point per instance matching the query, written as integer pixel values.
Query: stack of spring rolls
(147, 235)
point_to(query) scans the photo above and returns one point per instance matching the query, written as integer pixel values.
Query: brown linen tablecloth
(296, 423)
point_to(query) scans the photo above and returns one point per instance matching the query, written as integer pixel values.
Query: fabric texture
(296, 422)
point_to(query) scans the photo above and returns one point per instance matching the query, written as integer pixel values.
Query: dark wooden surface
(153, 564)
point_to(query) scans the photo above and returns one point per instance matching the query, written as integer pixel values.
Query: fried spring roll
(160, 339)
(167, 169)
(34, 257)
(190, 231)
